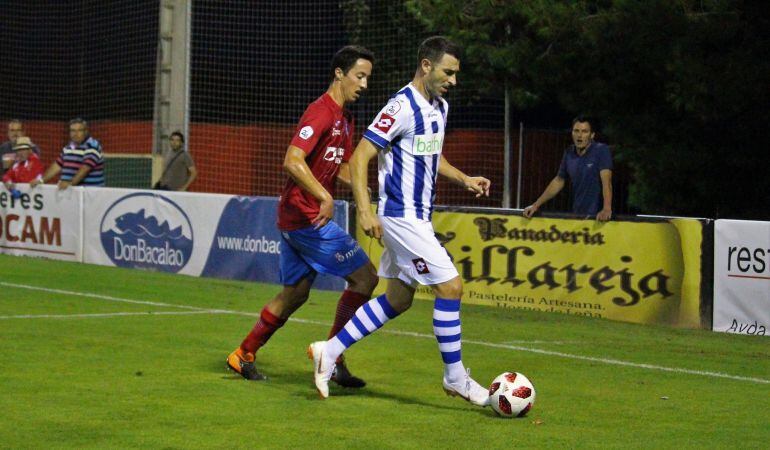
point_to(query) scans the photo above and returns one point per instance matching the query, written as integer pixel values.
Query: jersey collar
(420, 99)
(329, 101)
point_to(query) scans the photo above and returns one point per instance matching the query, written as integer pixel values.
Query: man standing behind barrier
(81, 162)
(310, 240)
(407, 136)
(588, 165)
(179, 169)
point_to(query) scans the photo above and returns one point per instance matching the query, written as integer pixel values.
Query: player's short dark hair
(585, 119)
(177, 133)
(79, 120)
(435, 47)
(346, 58)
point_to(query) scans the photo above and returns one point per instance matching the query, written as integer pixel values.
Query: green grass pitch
(80, 367)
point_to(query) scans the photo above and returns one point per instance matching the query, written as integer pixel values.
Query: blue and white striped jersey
(409, 132)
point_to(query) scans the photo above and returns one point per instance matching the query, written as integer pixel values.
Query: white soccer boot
(322, 370)
(468, 389)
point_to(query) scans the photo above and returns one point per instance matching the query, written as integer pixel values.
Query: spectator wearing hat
(7, 154)
(178, 168)
(81, 162)
(27, 167)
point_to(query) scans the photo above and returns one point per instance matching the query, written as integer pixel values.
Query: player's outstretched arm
(478, 185)
(359, 177)
(606, 212)
(553, 188)
(294, 164)
(52, 171)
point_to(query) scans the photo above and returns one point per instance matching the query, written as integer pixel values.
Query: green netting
(128, 172)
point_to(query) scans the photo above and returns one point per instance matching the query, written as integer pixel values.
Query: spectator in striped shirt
(80, 162)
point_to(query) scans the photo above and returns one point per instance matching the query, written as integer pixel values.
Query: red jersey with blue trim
(325, 134)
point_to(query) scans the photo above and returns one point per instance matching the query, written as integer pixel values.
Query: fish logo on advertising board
(148, 231)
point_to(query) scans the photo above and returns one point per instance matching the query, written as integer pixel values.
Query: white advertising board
(742, 277)
(156, 230)
(211, 235)
(43, 221)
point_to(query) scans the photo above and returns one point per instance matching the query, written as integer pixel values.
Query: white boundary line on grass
(115, 314)
(609, 361)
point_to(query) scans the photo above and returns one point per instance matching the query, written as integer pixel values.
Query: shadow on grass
(300, 384)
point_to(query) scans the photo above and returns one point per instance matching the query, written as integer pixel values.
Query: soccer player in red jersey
(311, 241)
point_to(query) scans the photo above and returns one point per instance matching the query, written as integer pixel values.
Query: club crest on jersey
(421, 266)
(306, 132)
(384, 123)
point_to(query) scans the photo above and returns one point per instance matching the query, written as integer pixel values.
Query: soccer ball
(511, 394)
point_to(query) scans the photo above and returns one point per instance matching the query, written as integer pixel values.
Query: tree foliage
(681, 86)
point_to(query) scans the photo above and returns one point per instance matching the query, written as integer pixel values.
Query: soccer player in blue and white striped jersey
(407, 136)
(81, 162)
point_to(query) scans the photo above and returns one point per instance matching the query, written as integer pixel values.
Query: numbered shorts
(329, 249)
(413, 254)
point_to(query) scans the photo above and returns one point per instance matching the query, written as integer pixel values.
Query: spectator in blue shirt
(81, 162)
(588, 165)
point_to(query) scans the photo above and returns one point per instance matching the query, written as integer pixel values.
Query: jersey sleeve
(60, 158)
(37, 168)
(313, 124)
(93, 155)
(605, 158)
(8, 177)
(563, 166)
(391, 122)
(188, 161)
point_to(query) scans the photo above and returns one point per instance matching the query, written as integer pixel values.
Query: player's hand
(63, 185)
(604, 215)
(478, 185)
(35, 182)
(370, 224)
(325, 212)
(530, 210)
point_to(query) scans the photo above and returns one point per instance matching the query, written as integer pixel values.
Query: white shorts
(413, 254)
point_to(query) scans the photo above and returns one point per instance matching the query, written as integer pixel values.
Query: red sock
(267, 325)
(346, 308)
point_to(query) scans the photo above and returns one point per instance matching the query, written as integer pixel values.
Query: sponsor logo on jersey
(428, 144)
(421, 266)
(384, 122)
(334, 154)
(306, 132)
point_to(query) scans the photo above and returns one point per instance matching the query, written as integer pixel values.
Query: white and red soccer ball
(511, 394)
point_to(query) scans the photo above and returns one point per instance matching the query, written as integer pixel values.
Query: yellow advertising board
(643, 272)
